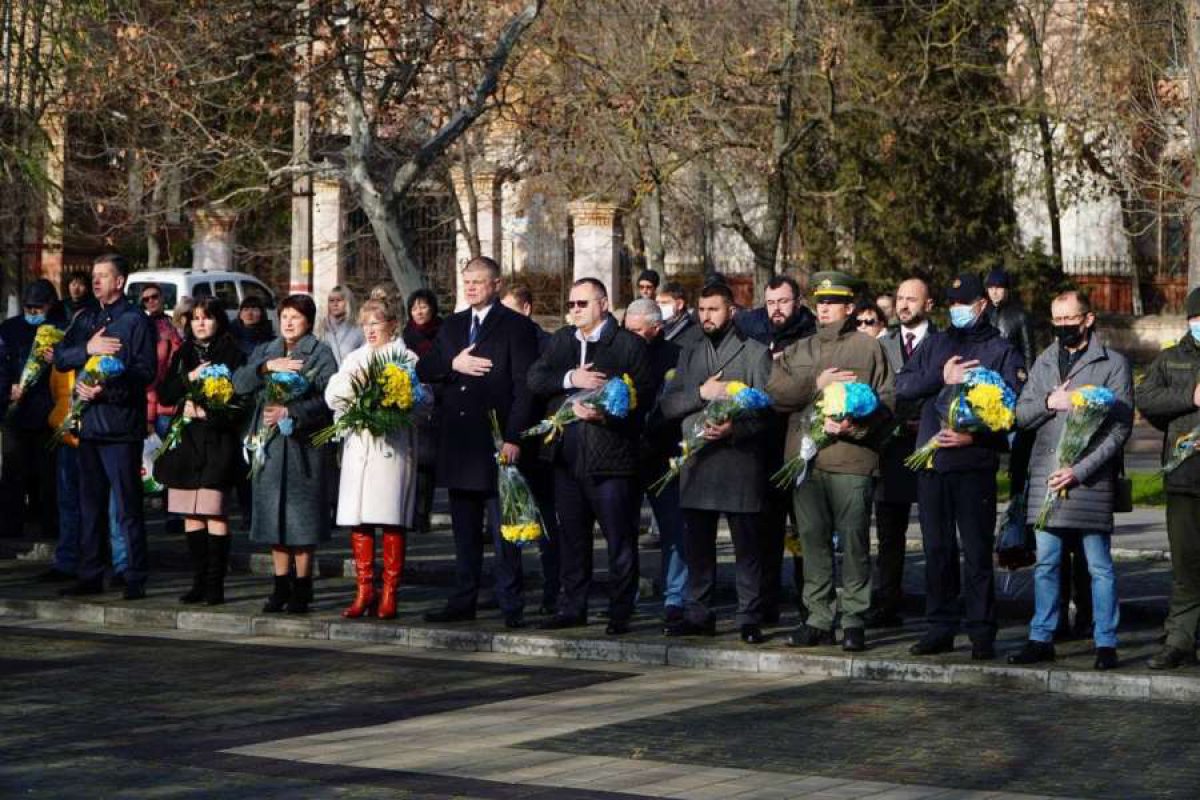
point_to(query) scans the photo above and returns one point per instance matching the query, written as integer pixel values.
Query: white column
(328, 230)
(488, 206)
(597, 245)
(212, 238)
(514, 246)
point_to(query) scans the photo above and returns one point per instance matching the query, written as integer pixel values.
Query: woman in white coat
(379, 474)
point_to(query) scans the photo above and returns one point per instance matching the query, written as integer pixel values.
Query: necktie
(908, 344)
(474, 334)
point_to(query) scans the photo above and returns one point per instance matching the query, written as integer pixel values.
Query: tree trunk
(1193, 56)
(656, 249)
(1034, 37)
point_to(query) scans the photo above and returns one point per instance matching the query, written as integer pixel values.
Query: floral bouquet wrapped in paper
(212, 391)
(279, 389)
(1090, 406)
(838, 401)
(1184, 448)
(738, 401)
(617, 397)
(982, 403)
(382, 399)
(96, 372)
(520, 520)
(47, 336)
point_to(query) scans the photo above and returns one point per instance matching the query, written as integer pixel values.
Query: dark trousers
(27, 481)
(700, 550)
(1183, 534)
(582, 502)
(891, 525)
(954, 508)
(118, 467)
(540, 477)
(468, 510)
(777, 505)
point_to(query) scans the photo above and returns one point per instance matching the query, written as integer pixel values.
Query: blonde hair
(378, 308)
(324, 320)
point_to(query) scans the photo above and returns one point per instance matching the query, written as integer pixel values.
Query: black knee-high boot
(280, 595)
(218, 565)
(301, 595)
(197, 542)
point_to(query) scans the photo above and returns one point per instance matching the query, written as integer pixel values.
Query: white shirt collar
(481, 315)
(594, 336)
(917, 332)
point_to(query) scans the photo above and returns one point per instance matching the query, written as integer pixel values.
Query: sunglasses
(866, 323)
(578, 303)
(148, 297)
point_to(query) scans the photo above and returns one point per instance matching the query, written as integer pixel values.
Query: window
(201, 290)
(226, 292)
(134, 292)
(254, 289)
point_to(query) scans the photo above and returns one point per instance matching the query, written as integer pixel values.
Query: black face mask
(1069, 335)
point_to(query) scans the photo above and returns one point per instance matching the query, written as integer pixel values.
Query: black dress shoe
(1106, 658)
(560, 621)
(1033, 653)
(514, 621)
(450, 615)
(134, 591)
(931, 645)
(752, 634)
(54, 575)
(983, 651)
(808, 636)
(1171, 658)
(686, 627)
(82, 589)
(854, 640)
(617, 627)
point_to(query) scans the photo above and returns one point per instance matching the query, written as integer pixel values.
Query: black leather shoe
(134, 591)
(808, 636)
(686, 627)
(931, 645)
(1033, 653)
(82, 589)
(752, 634)
(560, 621)
(514, 621)
(854, 640)
(1106, 658)
(450, 615)
(1171, 658)
(983, 651)
(880, 618)
(617, 627)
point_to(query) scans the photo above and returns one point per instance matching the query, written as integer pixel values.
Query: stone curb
(1174, 688)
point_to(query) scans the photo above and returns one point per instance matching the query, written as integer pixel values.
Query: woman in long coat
(202, 469)
(291, 492)
(379, 474)
(420, 333)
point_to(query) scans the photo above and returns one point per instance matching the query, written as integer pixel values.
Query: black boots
(197, 542)
(301, 596)
(280, 596)
(218, 566)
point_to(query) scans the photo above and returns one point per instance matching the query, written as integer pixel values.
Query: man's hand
(194, 375)
(948, 438)
(15, 392)
(284, 364)
(1060, 398)
(509, 453)
(586, 413)
(193, 411)
(466, 364)
(101, 345)
(717, 430)
(1062, 479)
(955, 371)
(587, 378)
(87, 391)
(713, 388)
(834, 375)
(272, 415)
(838, 427)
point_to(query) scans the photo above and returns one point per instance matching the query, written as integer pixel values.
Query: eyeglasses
(578, 303)
(867, 322)
(148, 297)
(1074, 319)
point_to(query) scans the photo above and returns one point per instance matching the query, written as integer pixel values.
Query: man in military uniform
(1169, 398)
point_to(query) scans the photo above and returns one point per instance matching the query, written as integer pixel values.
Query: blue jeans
(66, 553)
(670, 531)
(120, 555)
(1096, 548)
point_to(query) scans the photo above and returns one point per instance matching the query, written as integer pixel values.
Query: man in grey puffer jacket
(1076, 359)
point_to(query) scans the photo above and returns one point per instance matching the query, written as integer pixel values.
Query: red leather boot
(362, 545)
(393, 568)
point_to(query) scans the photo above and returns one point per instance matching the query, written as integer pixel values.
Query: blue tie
(474, 334)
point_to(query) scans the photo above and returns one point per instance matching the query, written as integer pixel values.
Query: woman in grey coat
(1076, 360)
(291, 492)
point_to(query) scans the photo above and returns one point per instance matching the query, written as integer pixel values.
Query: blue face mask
(962, 316)
(1194, 327)
(35, 319)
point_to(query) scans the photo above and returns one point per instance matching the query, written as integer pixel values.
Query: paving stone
(70, 610)
(448, 639)
(1176, 688)
(137, 616)
(533, 645)
(644, 652)
(215, 622)
(1100, 684)
(792, 662)
(365, 631)
(876, 669)
(292, 627)
(682, 655)
(1000, 677)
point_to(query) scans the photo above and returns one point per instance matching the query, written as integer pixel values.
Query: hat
(1192, 305)
(997, 277)
(833, 284)
(649, 276)
(39, 293)
(965, 288)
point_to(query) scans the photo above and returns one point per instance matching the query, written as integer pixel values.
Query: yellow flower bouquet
(520, 520)
(382, 399)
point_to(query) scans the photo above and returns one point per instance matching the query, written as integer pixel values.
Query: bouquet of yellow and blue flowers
(617, 397)
(982, 403)
(212, 390)
(96, 372)
(520, 520)
(36, 366)
(1184, 448)
(1090, 406)
(382, 399)
(739, 400)
(279, 389)
(838, 401)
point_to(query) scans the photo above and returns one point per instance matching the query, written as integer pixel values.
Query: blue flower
(615, 398)
(1099, 396)
(752, 399)
(215, 371)
(861, 401)
(110, 366)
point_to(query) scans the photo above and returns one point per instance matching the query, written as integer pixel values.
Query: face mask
(35, 319)
(1069, 335)
(667, 309)
(962, 316)
(1194, 327)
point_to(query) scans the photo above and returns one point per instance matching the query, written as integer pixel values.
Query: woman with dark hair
(419, 333)
(291, 493)
(252, 327)
(201, 471)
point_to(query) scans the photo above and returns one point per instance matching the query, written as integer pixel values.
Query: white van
(228, 287)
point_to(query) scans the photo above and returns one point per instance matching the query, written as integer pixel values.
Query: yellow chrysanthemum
(397, 387)
(988, 402)
(218, 390)
(632, 391)
(733, 387)
(46, 336)
(92, 365)
(522, 532)
(833, 400)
